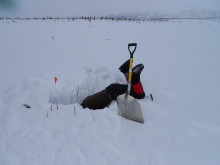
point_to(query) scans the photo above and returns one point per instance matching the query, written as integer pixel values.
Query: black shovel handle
(131, 53)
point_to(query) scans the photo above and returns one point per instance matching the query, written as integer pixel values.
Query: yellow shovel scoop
(128, 106)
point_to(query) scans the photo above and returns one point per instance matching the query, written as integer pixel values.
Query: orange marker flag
(55, 80)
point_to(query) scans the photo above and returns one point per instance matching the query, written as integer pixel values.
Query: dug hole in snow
(42, 88)
(90, 81)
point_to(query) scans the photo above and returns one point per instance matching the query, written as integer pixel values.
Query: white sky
(62, 8)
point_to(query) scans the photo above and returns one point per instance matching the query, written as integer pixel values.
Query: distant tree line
(71, 18)
(86, 18)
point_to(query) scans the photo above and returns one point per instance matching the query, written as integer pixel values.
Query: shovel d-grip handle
(131, 53)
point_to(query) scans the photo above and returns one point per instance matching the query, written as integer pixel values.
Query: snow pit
(90, 81)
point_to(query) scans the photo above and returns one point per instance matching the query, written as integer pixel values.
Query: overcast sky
(63, 8)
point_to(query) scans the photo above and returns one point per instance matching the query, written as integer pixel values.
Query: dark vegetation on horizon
(92, 19)
(76, 18)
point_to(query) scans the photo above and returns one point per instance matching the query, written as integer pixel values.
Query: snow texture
(181, 59)
(188, 14)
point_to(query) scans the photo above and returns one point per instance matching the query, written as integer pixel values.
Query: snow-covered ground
(182, 71)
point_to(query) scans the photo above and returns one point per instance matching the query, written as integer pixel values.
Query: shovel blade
(129, 108)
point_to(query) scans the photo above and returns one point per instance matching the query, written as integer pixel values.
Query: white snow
(181, 59)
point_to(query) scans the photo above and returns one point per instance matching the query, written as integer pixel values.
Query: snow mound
(33, 90)
(42, 89)
(90, 81)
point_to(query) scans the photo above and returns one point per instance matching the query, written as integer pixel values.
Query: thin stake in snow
(151, 97)
(74, 110)
(77, 94)
(51, 107)
(47, 114)
(57, 106)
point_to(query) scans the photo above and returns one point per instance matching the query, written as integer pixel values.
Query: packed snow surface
(181, 59)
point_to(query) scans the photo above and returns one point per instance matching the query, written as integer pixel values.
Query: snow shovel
(128, 106)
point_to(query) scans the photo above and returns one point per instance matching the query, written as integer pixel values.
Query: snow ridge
(43, 89)
(90, 81)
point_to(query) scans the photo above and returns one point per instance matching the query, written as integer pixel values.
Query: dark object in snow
(136, 71)
(27, 106)
(124, 68)
(114, 90)
(151, 97)
(136, 85)
(99, 100)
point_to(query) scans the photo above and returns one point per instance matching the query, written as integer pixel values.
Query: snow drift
(90, 81)
(42, 87)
